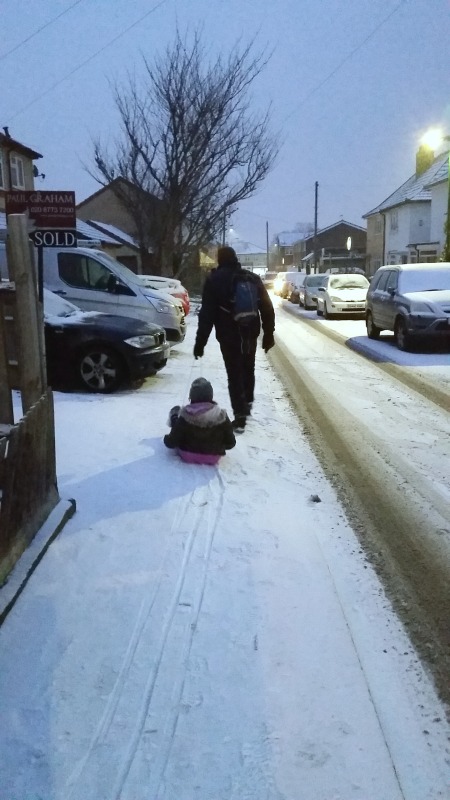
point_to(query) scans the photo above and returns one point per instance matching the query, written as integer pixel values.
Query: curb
(30, 558)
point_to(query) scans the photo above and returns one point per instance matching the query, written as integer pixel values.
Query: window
(393, 218)
(17, 179)
(382, 281)
(2, 180)
(83, 272)
(392, 280)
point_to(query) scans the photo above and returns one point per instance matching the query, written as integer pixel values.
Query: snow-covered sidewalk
(207, 633)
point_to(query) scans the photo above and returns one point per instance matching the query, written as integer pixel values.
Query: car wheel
(319, 311)
(402, 339)
(326, 313)
(372, 331)
(100, 369)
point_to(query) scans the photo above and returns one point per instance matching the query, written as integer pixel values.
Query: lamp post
(433, 138)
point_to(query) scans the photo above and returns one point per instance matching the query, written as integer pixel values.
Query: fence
(28, 490)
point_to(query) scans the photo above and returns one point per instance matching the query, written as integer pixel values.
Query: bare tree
(190, 138)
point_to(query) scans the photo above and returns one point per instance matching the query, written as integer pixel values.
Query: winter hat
(226, 255)
(201, 391)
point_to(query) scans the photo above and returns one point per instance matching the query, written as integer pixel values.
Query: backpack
(244, 300)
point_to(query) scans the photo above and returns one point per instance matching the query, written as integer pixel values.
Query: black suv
(413, 300)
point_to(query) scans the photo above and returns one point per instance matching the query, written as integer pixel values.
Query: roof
(89, 232)
(116, 233)
(288, 238)
(441, 175)
(336, 225)
(107, 187)
(18, 147)
(415, 189)
(246, 248)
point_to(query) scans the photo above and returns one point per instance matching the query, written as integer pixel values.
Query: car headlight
(419, 308)
(161, 305)
(335, 299)
(141, 342)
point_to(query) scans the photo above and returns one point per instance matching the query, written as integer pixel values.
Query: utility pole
(224, 225)
(267, 246)
(316, 197)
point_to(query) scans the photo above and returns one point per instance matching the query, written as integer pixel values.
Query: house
(250, 255)
(108, 206)
(405, 228)
(341, 245)
(17, 170)
(287, 250)
(116, 242)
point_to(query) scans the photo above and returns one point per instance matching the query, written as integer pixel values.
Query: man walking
(235, 301)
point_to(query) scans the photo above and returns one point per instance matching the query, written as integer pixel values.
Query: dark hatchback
(99, 352)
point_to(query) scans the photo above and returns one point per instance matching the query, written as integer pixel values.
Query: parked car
(295, 281)
(412, 300)
(171, 286)
(342, 293)
(309, 291)
(287, 283)
(99, 352)
(94, 281)
(268, 279)
(279, 282)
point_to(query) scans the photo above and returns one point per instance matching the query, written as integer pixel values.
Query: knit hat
(226, 255)
(201, 391)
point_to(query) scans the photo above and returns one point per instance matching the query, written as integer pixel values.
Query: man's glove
(198, 350)
(268, 341)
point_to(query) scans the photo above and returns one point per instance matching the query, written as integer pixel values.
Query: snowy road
(208, 633)
(389, 452)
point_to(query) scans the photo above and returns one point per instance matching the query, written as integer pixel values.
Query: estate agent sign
(51, 214)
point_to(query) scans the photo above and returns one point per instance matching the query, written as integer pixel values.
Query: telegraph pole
(267, 246)
(316, 197)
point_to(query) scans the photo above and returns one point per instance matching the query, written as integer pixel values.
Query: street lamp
(433, 139)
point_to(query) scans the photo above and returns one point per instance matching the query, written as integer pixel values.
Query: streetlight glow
(433, 138)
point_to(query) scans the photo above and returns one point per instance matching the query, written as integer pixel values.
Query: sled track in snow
(187, 593)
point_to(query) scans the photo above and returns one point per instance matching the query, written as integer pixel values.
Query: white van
(93, 281)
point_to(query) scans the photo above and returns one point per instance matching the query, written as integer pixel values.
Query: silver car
(308, 292)
(413, 300)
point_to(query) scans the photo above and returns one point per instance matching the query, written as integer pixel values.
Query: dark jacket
(201, 428)
(217, 294)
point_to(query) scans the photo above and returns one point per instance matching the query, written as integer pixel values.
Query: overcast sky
(353, 85)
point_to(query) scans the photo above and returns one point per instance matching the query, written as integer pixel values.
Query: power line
(87, 60)
(35, 33)
(345, 59)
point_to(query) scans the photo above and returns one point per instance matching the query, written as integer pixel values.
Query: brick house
(17, 170)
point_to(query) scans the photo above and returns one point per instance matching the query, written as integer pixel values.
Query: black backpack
(244, 299)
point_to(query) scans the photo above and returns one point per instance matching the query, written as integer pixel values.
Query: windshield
(348, 282)
(426, 280)
(316, 280)
(126, 273)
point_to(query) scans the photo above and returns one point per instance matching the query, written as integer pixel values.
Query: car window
(425, 280)
(382, 281)
(83, 272)
(315, 280)
(392, 280)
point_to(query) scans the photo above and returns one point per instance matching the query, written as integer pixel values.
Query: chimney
(424, 159)
(7, 133)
